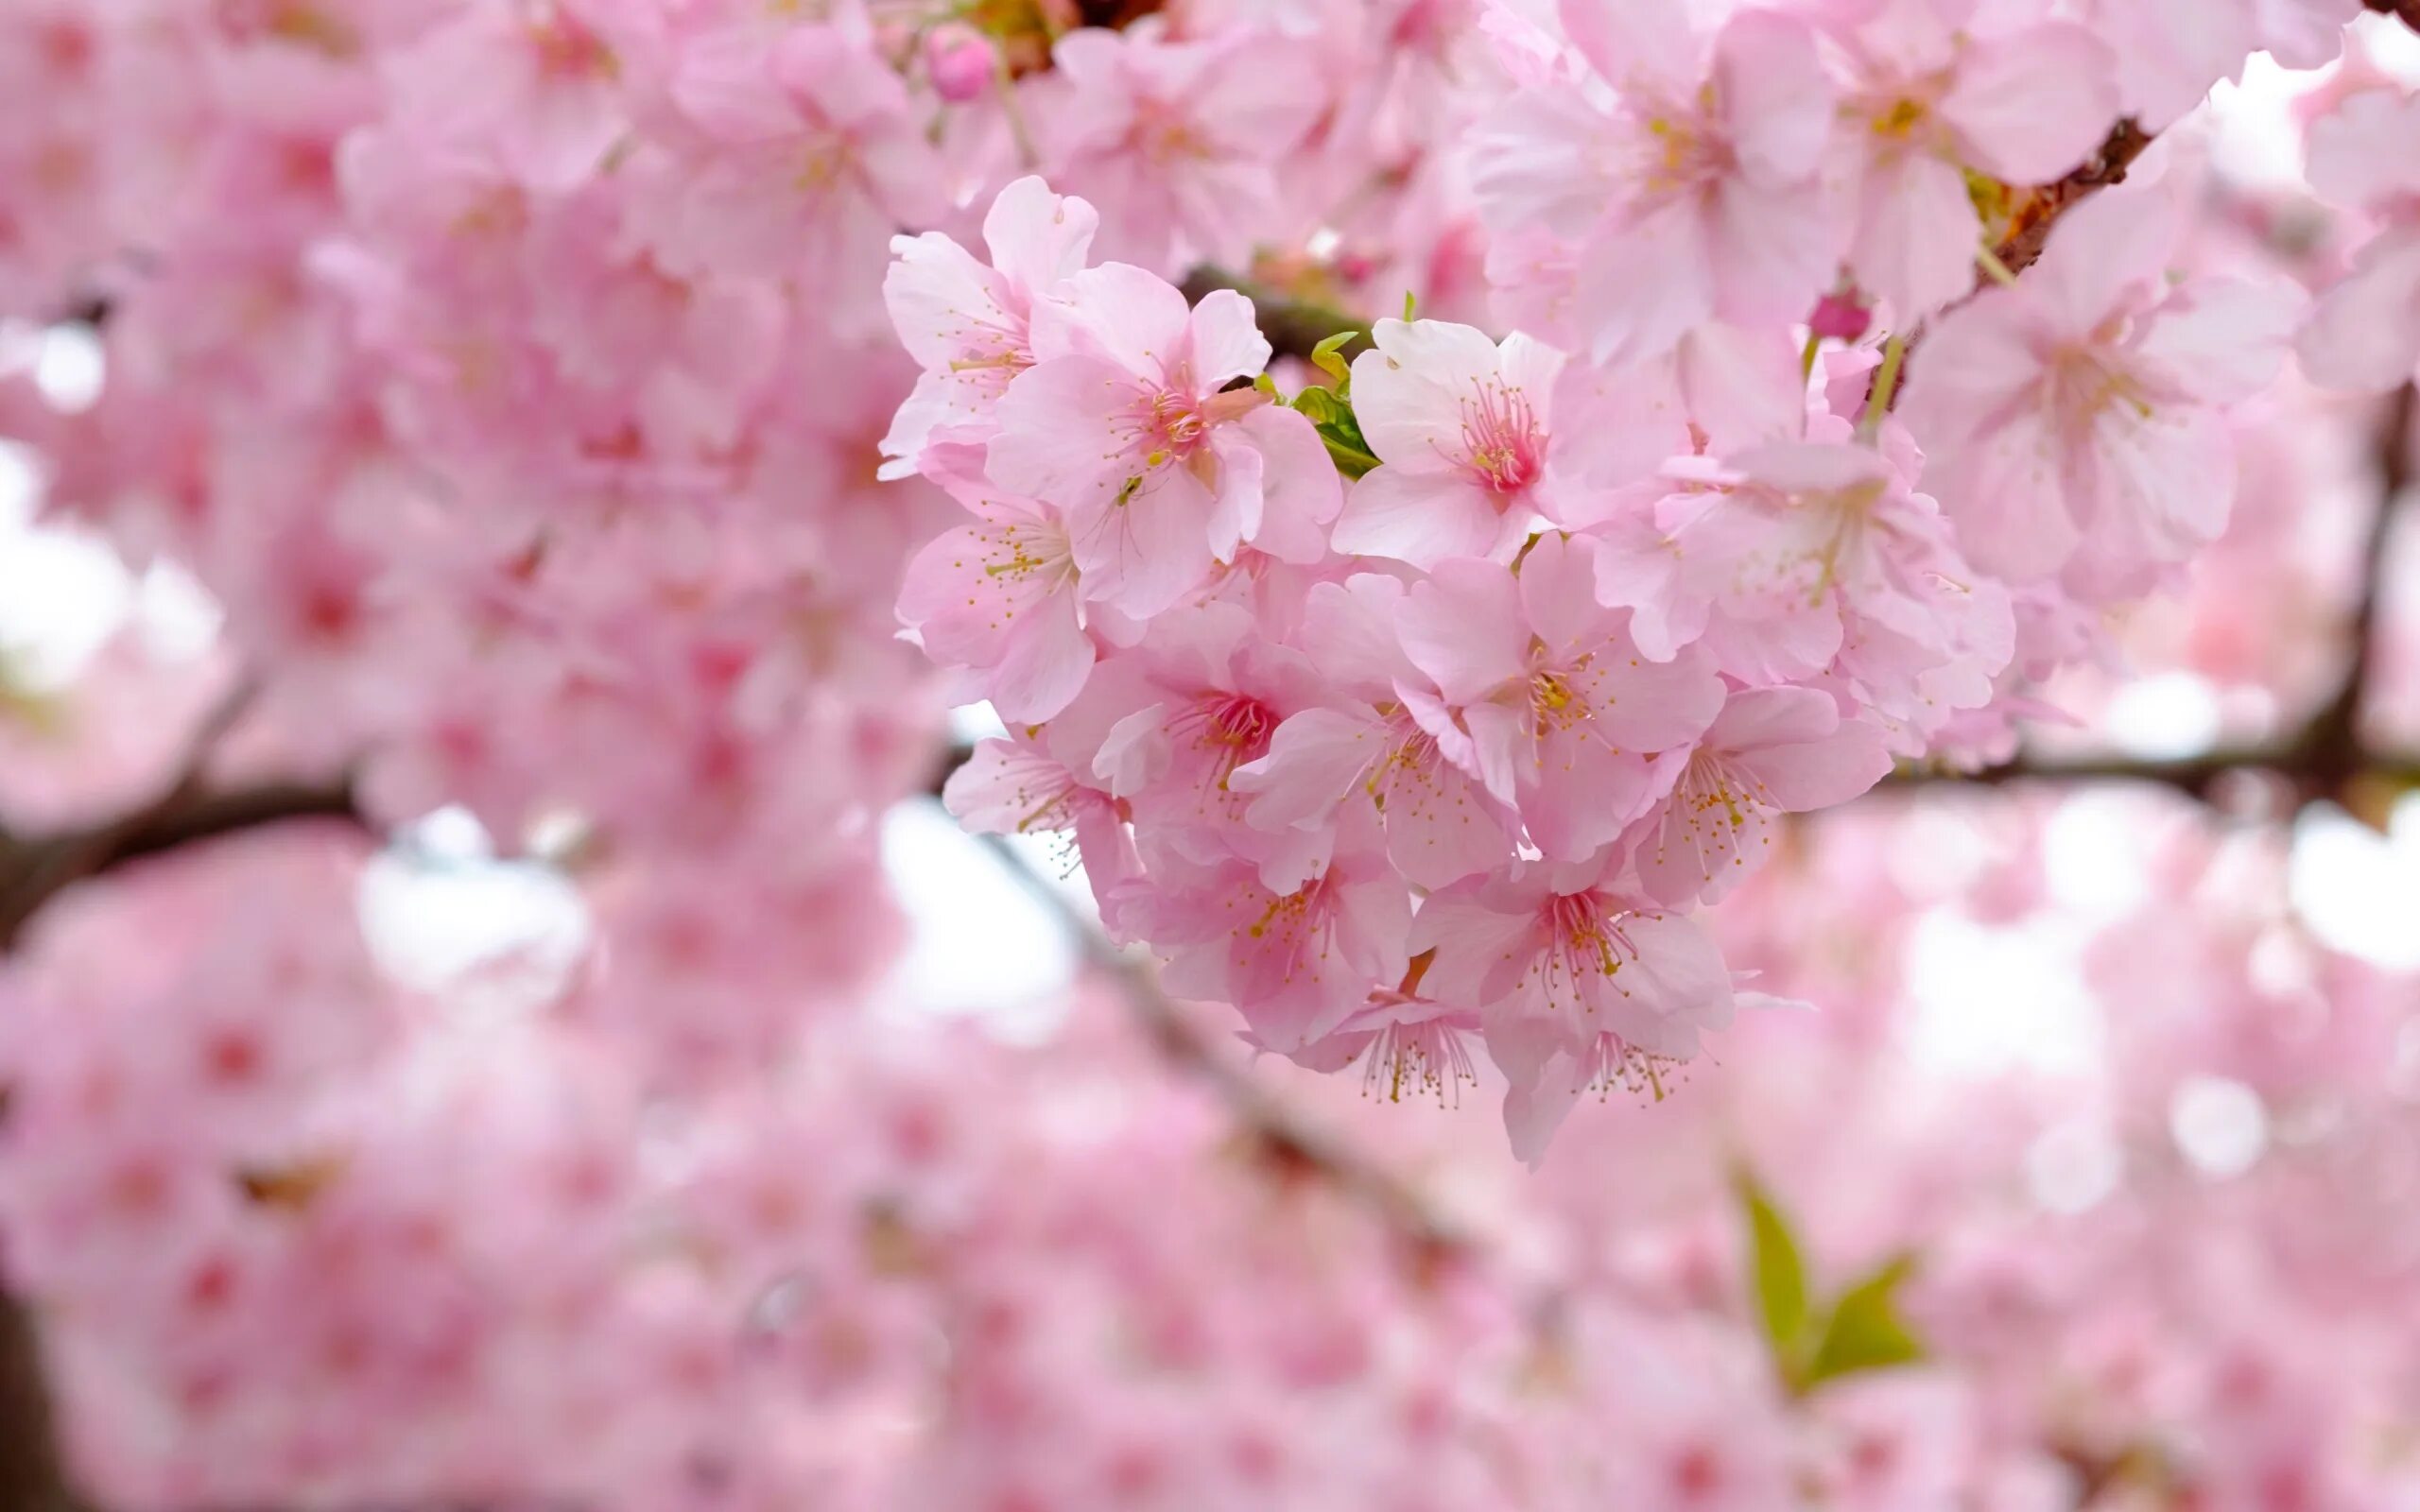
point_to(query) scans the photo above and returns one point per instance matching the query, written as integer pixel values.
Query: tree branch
(33, 871)
(1290, 1146)
(2407, 11)
(1292, 326)
(2038, 211)
(32, 1477)
(2329, 758)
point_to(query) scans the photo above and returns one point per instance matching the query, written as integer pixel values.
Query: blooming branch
(1288, 1144)
(2330, 757)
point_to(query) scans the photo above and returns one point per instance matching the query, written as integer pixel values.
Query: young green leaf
(1776, 1270)
(1353, 456)
(1327, 357)
(1865, 1331)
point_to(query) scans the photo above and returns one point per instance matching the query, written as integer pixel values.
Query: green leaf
(1353, 456)
(1865, 1331)
(1320, 406)
(1326, 357)
(1776, 1272)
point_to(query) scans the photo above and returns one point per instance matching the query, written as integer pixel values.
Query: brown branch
(2329, 758)
(33, 871)
(2336, 730)
(2407, 11)
(1293, 326)
(2037, 211)
(2201, 777)
(1291, 1146)
(33, 1477)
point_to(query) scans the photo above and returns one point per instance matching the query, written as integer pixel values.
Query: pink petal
(2028, 106)
(1420, 518)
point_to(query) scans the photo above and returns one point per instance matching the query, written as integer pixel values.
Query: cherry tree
(1576, 614)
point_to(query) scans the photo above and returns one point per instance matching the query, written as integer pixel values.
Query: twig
(2329, 756)
(1288, 1142)
(1292, 326)
(33, 871)
(33, 1477)
(2407, 11)
(2038, 211)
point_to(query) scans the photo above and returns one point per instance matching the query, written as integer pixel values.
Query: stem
(1292, 326)
(1004, 82)
(1886, 387)
(1289, 1144)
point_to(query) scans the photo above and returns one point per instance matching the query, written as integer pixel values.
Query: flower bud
(960, 60)
(1839, 317)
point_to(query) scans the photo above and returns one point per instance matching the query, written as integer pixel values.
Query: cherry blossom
(2095, 443)
(478, 1028)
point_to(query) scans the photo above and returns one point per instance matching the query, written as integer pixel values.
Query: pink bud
(960, 60)
(1839, 317)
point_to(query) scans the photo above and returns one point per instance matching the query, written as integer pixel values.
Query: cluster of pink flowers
(487, 364)
(566, 403)
(1426, 705)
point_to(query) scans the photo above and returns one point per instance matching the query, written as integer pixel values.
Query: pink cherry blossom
(2075, 420)
(2364, 331)
(1578, 985)
(1128, 423)
(1180, 141)
(537, 83)
(1001, 597)
(799, 156)
(1543, 696)
(484, 912)
(1364, 746)
(1462, 425)
(1770, 751)
(1303, 958)
(968, 324)
(1683, 169)
(1811, 558)
(1930, 95)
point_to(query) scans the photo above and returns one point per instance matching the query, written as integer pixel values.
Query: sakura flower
(1021, 786)
(1578, 985)
(1297, 964)
(2170, 52)
(1929, 94)
(1000, 597)
(1178, 141)
(968, 325)
(1809, 557)
(1543, 696)
(1169, 721)
(2364, 332)
(1684, 175)
(1770, 751)
(802, 157)
(1460, 425)
(540, 82)
(1406, 1042)
(1361, 746)
(1126, 422)
(2074, 422)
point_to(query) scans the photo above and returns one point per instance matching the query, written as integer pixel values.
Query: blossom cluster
(523, 383)
(1423, 705)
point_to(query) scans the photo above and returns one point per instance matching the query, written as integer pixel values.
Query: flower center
(1499, 441)
(1175, 421)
